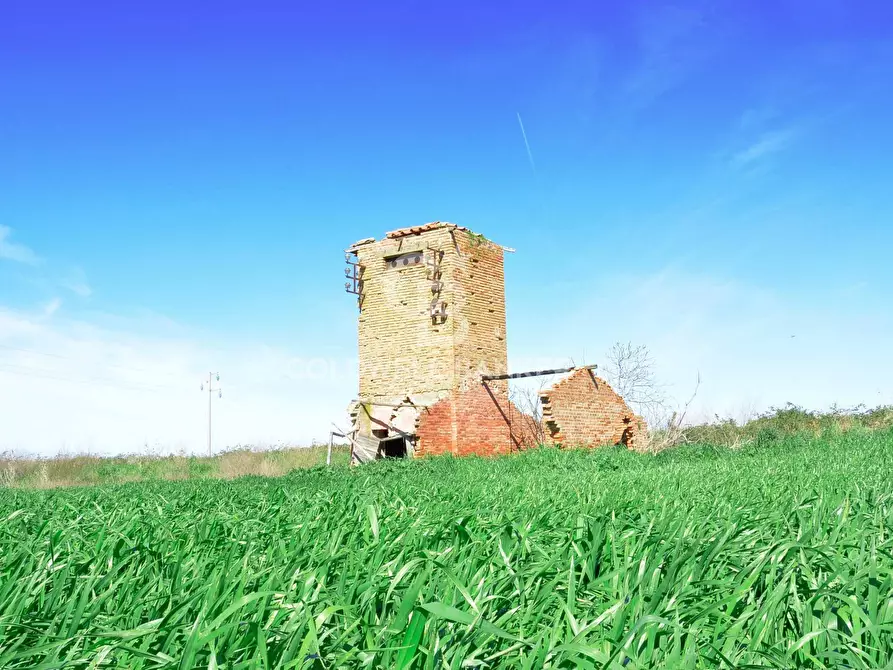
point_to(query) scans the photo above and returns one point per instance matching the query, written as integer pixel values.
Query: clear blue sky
(190, 172)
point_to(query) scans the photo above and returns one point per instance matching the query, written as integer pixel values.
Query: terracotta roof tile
(415, 230)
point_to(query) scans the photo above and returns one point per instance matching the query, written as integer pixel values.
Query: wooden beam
(391, 405)
(537, 373)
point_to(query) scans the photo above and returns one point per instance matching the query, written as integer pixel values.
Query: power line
(68, 358)
(30, 351)
(42, 373)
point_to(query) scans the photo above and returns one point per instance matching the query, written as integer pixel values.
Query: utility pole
(211, 389)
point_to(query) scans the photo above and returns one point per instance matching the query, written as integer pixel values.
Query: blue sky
(177, 182)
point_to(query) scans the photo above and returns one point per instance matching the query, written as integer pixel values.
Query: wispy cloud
(116, 385)
(50, 278)
(76, 282)
(672, 43)
(766, 145)
(52, 307)
(13, 251)
(757, 117)
(738, 335)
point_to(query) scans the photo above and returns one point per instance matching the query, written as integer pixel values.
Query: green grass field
(776, 555)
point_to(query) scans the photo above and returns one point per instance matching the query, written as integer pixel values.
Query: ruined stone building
(584, 410)
(432, 328)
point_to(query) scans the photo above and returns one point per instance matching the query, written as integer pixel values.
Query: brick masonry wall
(479, 298)
(479, 421)
(401, 352)
(583, 410)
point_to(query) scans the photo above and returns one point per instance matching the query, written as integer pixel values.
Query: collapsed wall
(583, 410)
(480, 421)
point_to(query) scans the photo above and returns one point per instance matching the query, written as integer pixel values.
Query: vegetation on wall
(475, 239)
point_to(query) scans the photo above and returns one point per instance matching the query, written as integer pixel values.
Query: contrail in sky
(526, 143)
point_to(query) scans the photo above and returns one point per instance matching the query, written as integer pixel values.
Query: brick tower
(431, 322)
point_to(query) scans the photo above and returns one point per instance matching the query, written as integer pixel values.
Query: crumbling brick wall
(407, 358)
(479, 305)
(583, 410)
(480, 421)
(402, 351)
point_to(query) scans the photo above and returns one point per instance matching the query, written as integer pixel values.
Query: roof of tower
(418, 230)
(415, 230)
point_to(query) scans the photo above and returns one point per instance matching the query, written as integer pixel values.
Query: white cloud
(73, 386)
(754, 348)
(672, 42)
(131, 382)
(77, 283)
(12, 251)
(52, 307)
(757, 117)
(769, 143)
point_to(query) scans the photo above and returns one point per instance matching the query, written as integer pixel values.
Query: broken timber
(538, 373)
(364, 448)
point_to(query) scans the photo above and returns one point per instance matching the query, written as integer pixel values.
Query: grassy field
(84, 470)
(777, 555)
(87, 470)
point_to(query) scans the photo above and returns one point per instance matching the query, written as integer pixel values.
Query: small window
(406, 260)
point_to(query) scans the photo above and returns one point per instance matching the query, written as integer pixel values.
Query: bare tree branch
(673, 433)
(527, 400)
(629, 369)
